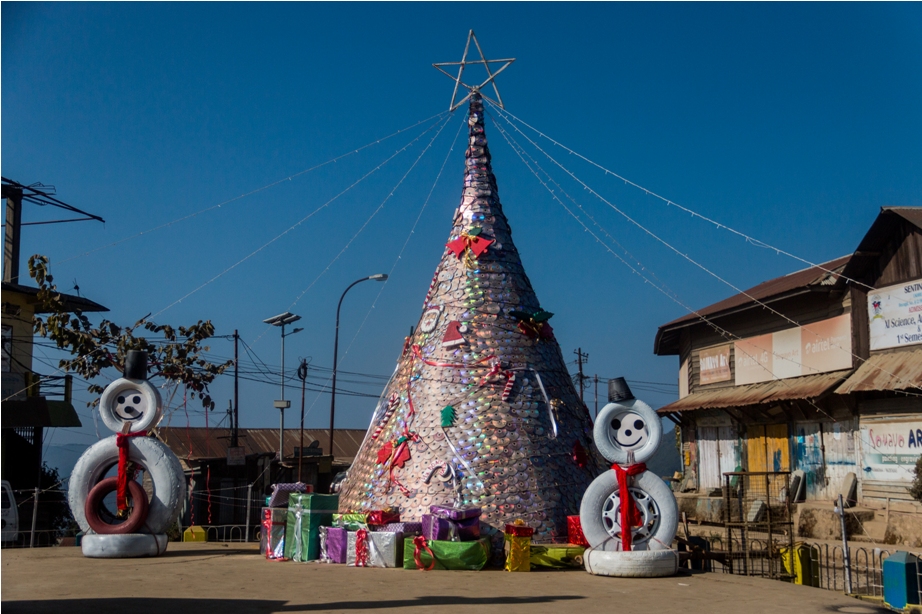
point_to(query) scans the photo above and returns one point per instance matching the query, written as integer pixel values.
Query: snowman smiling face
(629, 431)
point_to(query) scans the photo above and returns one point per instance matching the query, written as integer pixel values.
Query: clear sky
(792, 123)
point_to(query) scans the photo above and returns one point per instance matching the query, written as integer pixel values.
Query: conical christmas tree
(481, 409)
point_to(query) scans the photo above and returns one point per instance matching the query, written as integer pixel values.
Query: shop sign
(895, 315)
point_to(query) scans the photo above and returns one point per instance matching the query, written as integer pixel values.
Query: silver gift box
(385, 549)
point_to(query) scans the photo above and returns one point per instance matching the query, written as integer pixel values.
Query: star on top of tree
(491, 76)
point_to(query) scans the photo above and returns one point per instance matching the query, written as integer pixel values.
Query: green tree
(178, 357)
(915, 489)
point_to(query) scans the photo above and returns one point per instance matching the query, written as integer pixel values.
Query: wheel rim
(649, 516)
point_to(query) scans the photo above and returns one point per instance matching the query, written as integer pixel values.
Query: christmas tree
(481, 409)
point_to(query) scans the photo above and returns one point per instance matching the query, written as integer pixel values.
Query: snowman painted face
(628, 431)
(130, 404)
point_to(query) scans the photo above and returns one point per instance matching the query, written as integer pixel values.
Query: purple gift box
(455, 513)
(443, 529)
(337, 540)
(407, 528)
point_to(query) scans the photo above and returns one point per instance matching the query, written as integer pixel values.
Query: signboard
(890, 449)
(714, 364)
(236, 456)
(895, 315)
(813, 348)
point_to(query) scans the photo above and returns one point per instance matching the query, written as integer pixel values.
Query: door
(708, 459)
(767, 445)
(809, 458)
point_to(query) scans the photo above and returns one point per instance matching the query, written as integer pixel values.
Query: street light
(282, 320)
(375, 277)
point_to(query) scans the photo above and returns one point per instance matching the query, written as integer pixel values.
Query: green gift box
(350, 522)
(449, 555)
(557, 556)
(307, 512)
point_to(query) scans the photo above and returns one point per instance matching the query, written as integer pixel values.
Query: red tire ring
(136, 518)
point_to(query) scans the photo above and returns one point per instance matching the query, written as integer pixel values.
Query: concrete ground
(235, 579)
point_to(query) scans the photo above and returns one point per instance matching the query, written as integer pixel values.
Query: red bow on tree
(470, 240)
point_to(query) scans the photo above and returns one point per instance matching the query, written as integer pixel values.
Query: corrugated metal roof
(806, 387)
(777, 287)
(891, 371)
(213, 443)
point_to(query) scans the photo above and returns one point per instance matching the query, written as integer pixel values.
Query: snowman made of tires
(129, 406)
(627, 433)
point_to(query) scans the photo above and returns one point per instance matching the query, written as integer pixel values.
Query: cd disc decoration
(481, 397)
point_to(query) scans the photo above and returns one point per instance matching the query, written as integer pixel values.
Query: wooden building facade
(818, 371)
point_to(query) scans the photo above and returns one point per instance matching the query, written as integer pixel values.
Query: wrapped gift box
(407, 528)
(557, 556)
(448, 555)
(455, 513)
(337, 543)
(272, 536)
(352, 521)
(383, 548)
(444, 529)
(517, 538)
(575, 532)
(307, 512)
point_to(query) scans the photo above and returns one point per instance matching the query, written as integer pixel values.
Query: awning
(806, 387)
(891, 371)
(37, 411)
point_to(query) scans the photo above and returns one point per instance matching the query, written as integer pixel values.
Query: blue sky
(792, 123)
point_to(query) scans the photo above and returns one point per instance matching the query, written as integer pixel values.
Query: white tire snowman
(628, 515)
(130, 406)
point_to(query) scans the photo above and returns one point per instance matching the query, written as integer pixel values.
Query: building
(222, 480)
(818, 371)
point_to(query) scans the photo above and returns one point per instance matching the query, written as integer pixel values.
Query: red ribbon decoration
(476, 244)
(361, 548)
(630, 515)
(121, 495)
(420, 543)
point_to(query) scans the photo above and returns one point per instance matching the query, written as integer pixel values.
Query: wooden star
(491, 76)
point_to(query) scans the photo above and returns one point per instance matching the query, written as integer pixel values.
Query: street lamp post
(282, 320)
(375, 277)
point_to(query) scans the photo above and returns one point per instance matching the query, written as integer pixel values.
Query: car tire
(155, 457)
(113, 408)
(633, 564)
(604, 441)
(136, 518)
(597, 513)
(132, 545)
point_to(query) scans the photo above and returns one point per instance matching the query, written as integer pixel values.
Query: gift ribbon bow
(361, 548)
(534, 325)
(420, 543)
(469, 243)
(121, 440)
(630, 515)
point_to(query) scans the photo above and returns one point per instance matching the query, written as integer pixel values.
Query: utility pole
(12, 230)
(302, 374)
(235, 419)
(580, 357)
(596, 380)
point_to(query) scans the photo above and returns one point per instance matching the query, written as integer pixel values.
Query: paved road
(234, 579)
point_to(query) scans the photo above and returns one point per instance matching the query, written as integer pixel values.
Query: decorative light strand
(251, 192)
(751, 240)
(695, 262)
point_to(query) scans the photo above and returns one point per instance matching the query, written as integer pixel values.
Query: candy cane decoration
(495, 371)
(392, 404)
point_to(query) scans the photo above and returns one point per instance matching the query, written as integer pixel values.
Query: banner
(889, 450)
(895, 315)
(818, 347)
(714, 364)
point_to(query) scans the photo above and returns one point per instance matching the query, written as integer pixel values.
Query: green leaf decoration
(475, 231)
(542, 316)
(448, 416)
